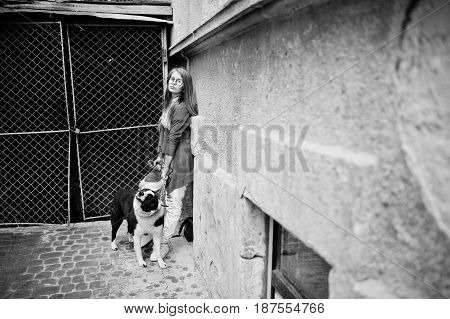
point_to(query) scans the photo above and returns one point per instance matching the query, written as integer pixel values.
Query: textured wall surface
(189, 15)
(372, 199)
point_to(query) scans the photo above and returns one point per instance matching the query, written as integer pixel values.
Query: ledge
(97, 8)
(235, 19)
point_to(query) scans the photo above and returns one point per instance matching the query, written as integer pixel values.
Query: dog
(145, 216)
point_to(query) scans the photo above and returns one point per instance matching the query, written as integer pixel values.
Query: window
(298, 271)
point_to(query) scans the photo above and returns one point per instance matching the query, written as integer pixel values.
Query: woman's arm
(167, 160)
(180, 121)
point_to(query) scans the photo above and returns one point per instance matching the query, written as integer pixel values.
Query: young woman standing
(174, 147)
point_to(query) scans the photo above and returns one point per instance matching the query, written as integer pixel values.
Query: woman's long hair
(187, 96)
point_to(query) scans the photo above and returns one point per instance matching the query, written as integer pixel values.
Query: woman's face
(176, 84)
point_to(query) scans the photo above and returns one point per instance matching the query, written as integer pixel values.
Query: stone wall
(371, 196)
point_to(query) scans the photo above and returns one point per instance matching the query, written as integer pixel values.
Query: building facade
(322, 146)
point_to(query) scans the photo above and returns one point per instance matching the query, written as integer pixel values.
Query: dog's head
(148, 200)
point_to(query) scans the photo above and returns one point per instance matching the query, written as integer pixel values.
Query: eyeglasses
(177, 82)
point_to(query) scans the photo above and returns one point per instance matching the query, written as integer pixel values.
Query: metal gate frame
(25, 191)
(79, 133)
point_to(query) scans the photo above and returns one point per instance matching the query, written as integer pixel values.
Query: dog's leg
(157, 250)
(115, 227)
(130, 238)
(138, 250)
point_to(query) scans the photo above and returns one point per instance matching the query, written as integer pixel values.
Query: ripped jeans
(174, 202)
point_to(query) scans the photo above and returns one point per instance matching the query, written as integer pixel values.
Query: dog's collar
(143, 214)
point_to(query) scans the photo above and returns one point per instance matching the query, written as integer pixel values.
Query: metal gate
(114, 77)
(118, 85)
(34, 130)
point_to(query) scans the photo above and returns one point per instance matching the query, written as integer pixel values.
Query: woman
(174, 147)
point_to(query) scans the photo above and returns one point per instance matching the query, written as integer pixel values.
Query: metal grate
(117, 80)
(32, 89)
(33, 164)
(110, 161)
(117, 75)
(33, 170)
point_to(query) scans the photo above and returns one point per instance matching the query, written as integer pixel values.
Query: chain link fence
(34, 136)
(118, 87)
(115, 77)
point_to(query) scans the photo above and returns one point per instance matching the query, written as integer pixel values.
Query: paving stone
(64, 280)
(45, 291)
(35, 269)
(61, 248)
(100, 293)
(81, 286)
(118, 273)
(79, 295)
(67, 288)
(104, 261)
(49, 282)
(96, 250)
(74, 272)
(51, 255)
(78, 279)
(31, 284)
(90, 270)
(97, 276)
(57, 243)
(57, 296)
(78, 258)
(52, 261)
(43, 250)
(52, 267)
(21, 278)
(36, 262)
(106, 267)
(22, 294)
(91, 235)
(96, 256)
(97, 285)
(87, 263)
(65, 260)
(43, 275)
(67, 266)
(70, 253)
(81, 231)
(59, 273)
(73, 237)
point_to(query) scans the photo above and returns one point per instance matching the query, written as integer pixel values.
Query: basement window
(298, 271)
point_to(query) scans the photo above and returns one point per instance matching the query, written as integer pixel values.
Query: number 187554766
(289, 307)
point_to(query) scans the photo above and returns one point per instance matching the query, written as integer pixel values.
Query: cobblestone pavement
(77, 262)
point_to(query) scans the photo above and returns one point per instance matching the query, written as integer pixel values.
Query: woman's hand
(157, 163)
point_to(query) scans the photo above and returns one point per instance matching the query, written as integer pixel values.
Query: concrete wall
(373, 199)
(189, 15)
